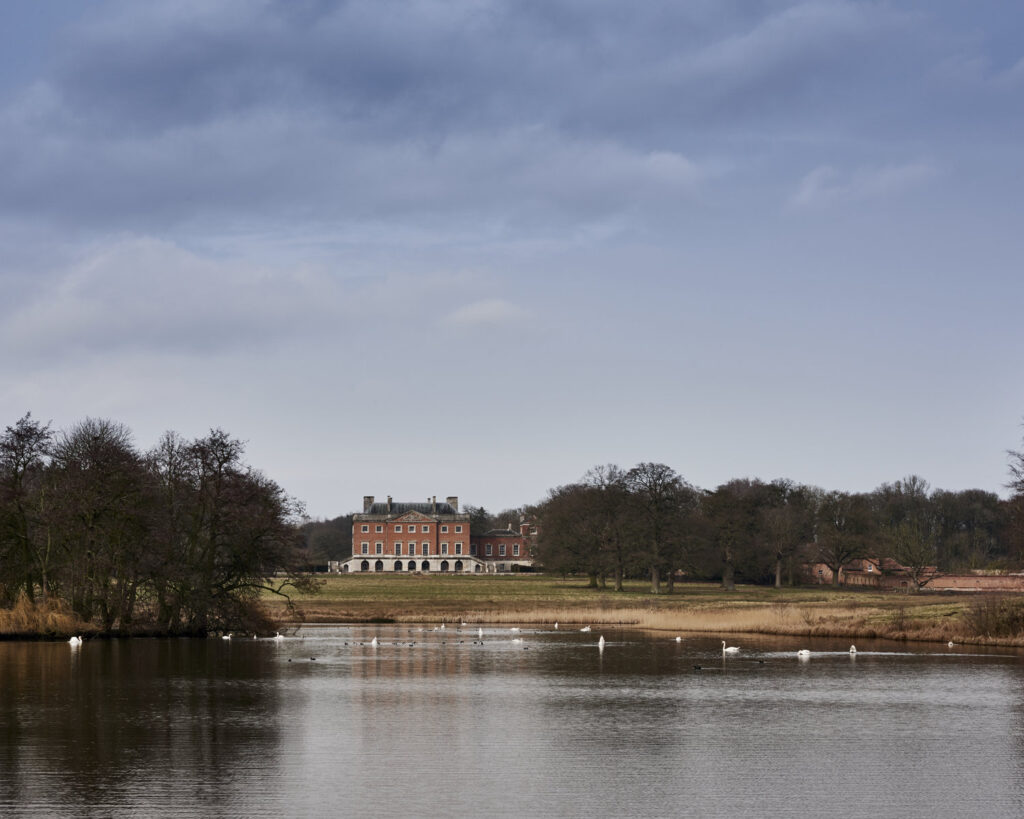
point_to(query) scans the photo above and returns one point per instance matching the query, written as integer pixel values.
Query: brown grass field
(693, 607)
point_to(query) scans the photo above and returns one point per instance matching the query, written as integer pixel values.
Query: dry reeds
(50, 618)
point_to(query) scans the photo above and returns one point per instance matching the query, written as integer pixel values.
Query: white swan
(225, 636)
(514, 629)
(730, 649)
(585, 628)
(480, 632)
(803, 653)
(600, 643)
(853, 649)
(517, 639)
(75, 641)
(556, 626)
(679, 639)
(278, 635)
(374, 642)
(950, 644)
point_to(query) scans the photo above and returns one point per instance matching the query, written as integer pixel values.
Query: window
(458, 548)
(425, 529)
(426, 548)
(379, 528)
(515, 550)
(398, 527)
(379, 547)
(412, 548)
(444, 548)
(365, 548)
(472, 548)
(458, 528)
(366, 527)
(398, 548)
(490, 550)
(444, 528)
(501, 550)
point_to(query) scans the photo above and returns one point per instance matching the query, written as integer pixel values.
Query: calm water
(430, 723)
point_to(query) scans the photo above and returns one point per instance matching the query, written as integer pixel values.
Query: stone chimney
(367, 503)
(389, 504)
(433, 502)
(453, 502)
(524, 529)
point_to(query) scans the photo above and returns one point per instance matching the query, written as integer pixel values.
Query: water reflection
(451, 722)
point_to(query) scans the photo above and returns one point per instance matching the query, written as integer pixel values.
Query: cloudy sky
(475, 247)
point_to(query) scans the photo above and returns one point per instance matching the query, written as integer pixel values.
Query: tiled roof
(401, 508)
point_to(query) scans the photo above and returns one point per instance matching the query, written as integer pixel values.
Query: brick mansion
(432, 537)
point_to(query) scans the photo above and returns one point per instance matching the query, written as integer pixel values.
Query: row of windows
(378, 548)
(411, 527)
(501, 549)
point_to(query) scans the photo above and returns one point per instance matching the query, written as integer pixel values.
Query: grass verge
(539, 599)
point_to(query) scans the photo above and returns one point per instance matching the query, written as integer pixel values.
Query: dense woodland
(182, 539)
(648, 520)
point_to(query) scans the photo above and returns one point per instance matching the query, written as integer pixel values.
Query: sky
(477, 247)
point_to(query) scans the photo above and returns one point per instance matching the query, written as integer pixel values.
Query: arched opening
(444, 565)
(345, 568)
(378, 566)
(425, 566)
(364, 566)
(476, 568)
(398, 565)
(458, 565)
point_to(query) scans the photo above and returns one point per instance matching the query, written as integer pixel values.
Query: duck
(730, 649)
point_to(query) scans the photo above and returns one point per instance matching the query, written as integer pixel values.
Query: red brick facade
(431, 537)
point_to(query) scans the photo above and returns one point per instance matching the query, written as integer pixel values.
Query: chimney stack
(453, 502)
(389, 504)
(367, 503)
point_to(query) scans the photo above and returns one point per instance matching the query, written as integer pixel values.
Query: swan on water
(853, 649)
(556, 626)
(730, 649)
(514, 629)
(803, 653)
(480, 632)
(374, 642)
(679, 639)
(950, 644)
(278, 635)
(517, 639)
(600, 642)
(226, 636)
(585, 628)
(75, 641)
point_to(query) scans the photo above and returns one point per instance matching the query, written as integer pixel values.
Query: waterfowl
(278, 635)
(950, 644)
(585, 628)
(803, 652)
(730, 649)
(480, 632)
(556, 626)
(853, 649)
(679, 639)
(600, 643)
(75, 641)
(374, 642)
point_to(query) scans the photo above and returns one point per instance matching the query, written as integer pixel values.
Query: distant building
(431, 537)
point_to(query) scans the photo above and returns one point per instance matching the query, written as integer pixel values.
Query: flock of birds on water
(727, 650)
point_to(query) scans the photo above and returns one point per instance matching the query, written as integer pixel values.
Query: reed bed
(50, 618)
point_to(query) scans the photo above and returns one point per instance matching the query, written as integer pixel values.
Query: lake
(439, 723)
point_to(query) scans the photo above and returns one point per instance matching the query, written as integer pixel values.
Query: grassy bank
(538, 599)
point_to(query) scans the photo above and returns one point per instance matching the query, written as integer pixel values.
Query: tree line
(648, 521)
(181, 539)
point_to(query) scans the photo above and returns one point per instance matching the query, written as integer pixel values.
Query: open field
(694, 607)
